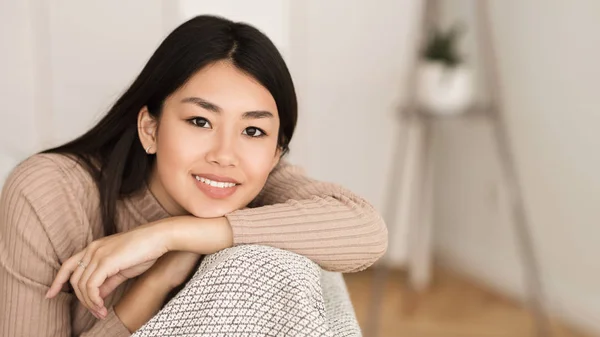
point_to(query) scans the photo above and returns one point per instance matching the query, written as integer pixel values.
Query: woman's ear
(147, 126)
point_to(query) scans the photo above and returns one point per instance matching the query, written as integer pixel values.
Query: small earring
(148, 149)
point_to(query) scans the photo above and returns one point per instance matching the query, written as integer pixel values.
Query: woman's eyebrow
(257, 114)
(201, 102)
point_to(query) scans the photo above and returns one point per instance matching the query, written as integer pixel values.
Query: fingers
(87, 291)
(72, 271)
(75, 284)
(111, 284)
(126, 254)
(64, 274)
(90, 285)
(85, 266)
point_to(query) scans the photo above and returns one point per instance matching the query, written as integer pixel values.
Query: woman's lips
(215, 192)
(215, 177)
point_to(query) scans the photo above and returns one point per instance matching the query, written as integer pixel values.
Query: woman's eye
(200, 122)
(254, 132)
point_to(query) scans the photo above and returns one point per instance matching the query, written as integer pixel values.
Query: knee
(266, 258)
(274, 263)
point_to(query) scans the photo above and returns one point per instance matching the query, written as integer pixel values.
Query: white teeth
(214, 183)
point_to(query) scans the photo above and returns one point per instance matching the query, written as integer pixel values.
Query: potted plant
(444, 82)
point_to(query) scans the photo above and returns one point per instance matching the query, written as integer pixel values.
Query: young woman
(94, 234)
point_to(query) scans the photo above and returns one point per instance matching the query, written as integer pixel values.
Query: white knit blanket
(257, 291)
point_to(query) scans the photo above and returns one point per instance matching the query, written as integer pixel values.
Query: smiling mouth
(213, 183)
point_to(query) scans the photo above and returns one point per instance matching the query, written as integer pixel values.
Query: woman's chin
(212, 212)
(211, 208)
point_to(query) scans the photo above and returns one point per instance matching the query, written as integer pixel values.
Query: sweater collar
(146, 206)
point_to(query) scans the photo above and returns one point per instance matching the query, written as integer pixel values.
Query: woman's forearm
(142, 301)
(200, 236)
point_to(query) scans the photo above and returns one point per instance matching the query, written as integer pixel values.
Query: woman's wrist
(142, 301)
(198, 235)
(171, 270)
(156, 282)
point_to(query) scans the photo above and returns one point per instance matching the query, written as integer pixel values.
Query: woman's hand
(106, 263)
(110, 261)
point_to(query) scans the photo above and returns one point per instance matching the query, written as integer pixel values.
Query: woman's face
(215, 143)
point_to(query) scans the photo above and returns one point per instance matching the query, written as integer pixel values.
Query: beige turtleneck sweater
(49, 210)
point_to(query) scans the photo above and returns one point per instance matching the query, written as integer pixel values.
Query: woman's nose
(223, 151)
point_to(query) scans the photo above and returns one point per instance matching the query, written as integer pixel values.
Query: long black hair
(111, 150)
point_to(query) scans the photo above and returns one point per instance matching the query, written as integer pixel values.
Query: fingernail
(103, 312)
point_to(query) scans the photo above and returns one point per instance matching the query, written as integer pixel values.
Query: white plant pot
(444, 90)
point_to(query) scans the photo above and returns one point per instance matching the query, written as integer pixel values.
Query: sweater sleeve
(322, 221)
(39, 218)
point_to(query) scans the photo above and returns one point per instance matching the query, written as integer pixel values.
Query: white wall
(64, 65)
(17, 85)
(548, 53)
(97, 49)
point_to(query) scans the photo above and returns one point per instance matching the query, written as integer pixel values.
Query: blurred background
(64, 62)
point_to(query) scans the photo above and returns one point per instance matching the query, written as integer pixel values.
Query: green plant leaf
(441, 46)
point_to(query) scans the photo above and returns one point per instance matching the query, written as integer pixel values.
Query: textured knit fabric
(49, 210)
(257, 291)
